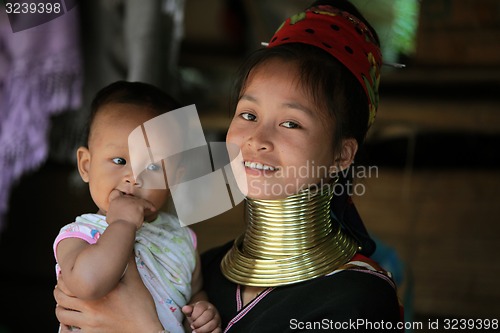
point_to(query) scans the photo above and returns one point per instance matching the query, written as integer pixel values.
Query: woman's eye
(153, 167)
(119, 161)
(248, 116)
(290, 124)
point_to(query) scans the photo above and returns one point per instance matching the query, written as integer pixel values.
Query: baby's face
(109, 166)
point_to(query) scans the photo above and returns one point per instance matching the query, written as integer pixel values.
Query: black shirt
(349, 300)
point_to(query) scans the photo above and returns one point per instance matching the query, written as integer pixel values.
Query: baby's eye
(119, 161)
(289, 124)
(153, 167)
(248, 116)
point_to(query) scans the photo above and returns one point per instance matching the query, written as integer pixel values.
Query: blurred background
(433, 203)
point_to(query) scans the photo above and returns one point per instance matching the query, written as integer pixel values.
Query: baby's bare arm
(92, 271)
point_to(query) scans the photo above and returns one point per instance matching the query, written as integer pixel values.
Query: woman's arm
(129, 308)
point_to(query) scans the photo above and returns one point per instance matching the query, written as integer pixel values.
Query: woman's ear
(83, 160)
(346, 156)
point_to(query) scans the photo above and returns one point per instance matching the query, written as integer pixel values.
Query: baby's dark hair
(330, 84)
(137, 93)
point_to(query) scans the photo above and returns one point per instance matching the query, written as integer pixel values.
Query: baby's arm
(201, 316)
(92, 271)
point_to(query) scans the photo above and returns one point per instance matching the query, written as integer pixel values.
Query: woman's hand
(127, 308)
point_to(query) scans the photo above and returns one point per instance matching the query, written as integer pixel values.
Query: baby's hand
(203, 317)
(128, 208)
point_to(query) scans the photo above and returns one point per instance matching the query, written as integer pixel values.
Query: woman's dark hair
(137, 93)
(331, 85)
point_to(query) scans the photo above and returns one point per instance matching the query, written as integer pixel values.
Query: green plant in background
(396, 23)
(405, 26)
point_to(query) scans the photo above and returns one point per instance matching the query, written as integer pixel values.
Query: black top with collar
(353, 300)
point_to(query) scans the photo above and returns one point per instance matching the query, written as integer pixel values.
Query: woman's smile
(258, 169)
(279, 132)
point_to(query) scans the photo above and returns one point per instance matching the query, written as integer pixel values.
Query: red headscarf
(343, 36)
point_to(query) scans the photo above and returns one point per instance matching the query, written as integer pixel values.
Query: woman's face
(285, 140)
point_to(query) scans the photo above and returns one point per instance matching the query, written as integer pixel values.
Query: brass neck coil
(288, 241)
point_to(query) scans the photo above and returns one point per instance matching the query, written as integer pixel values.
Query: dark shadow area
(40, 204)
(431, 150)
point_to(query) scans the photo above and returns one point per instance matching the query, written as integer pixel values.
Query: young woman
(303, 107)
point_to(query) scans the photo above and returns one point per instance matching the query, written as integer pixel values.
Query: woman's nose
(261, 139)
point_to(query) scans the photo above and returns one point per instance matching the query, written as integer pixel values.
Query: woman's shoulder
(368, 267)
(339, 297)
(348, 283)
(352, 286)
(359, 279)
(336, 298)
(354, 291)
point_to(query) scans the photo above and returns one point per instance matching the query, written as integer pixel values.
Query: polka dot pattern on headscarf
(344, 37)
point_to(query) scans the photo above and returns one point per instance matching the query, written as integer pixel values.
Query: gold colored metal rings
(288, 241)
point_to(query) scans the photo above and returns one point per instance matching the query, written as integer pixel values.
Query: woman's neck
(288, 241)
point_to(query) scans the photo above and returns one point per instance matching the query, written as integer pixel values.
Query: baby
(96, 251)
